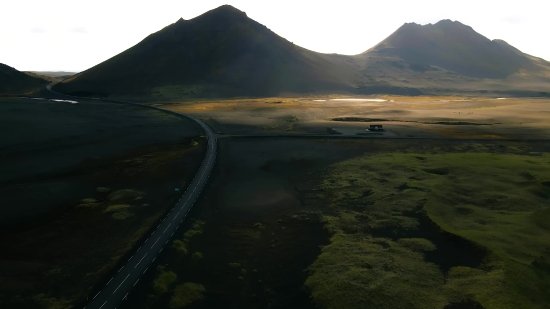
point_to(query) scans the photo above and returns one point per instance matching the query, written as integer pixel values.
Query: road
(118, 287)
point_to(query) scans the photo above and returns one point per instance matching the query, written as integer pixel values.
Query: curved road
(118, 287)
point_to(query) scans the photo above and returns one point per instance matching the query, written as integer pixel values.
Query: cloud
(38, 30)
(78, 30)
(513, 19)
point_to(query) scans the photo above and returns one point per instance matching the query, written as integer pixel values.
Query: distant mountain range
(224, 53)
(13, 82)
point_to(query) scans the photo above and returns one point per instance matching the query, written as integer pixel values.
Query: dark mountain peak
(448, 22)
(224, 11)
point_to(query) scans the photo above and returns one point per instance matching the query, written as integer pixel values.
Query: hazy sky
(73, 35)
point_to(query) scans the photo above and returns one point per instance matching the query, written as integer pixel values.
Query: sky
(68, 35)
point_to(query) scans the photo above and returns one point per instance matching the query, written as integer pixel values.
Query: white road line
(120, 269)
(157, 227)
(136, 282)
(96, 294)
(103, 305)
(139, 248)
(145, 270)
(110, 281)
(160, 250)
(167, 227)
(154, 259)
(155, 243)
(147, 238)
(121, 283)
(130, 258)
(152, 233)
(171, 235)
(140, 260)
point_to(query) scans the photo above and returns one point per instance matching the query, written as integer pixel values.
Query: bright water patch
(68, 101)
(361, 100)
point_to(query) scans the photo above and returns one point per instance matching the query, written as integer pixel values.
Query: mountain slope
(220, 53)
(13, 82)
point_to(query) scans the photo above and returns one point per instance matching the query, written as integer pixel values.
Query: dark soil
(58, 154)
(468, 304)
(259, 211)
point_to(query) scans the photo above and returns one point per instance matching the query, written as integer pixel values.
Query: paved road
(128, 276)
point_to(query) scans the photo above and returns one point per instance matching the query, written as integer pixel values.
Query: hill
(219, 53)
(451, 57)
(13, 82)
(57, 75)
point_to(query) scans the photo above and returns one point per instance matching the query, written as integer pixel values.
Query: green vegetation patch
(426, 230)
(117, 208)
(119, 212)
(163, 281)
(185, 294)
(179, 246)
(196, 229)
(125, 195)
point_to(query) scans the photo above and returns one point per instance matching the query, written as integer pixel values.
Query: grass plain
(437, 228)
(442, 117)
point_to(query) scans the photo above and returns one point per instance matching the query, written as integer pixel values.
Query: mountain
(223, 53)
(450, 57)
(219, 53)
(13, 82)
(455, 47)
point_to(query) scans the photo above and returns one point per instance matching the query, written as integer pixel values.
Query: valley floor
(449, 211)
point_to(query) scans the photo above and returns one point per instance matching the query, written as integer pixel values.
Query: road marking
(148, 238)
(171, 236)
(155, 243)
(120, 269)
(154, 259)
(136, 282)
(96, 294)
(161, 250)
(121, 283)
(157, 228)
(145, 270)
(167, 227)
(103, 305)
(110, 281)
(139, 248)
(140, 260)
(130, 258)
